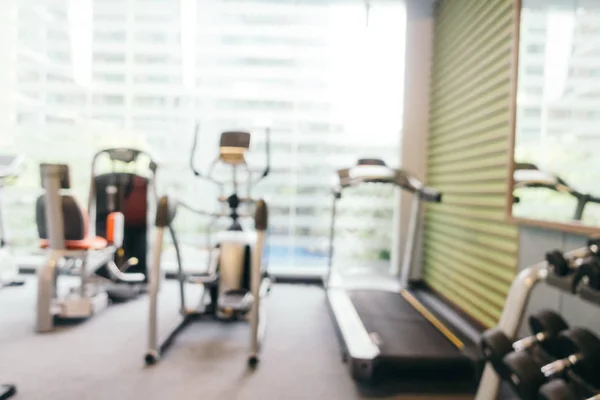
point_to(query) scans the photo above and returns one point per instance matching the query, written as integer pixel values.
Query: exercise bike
(235, 281)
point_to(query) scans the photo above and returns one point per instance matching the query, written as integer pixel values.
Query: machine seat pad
(89, 243)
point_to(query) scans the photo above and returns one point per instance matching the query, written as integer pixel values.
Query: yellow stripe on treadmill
(432, 319)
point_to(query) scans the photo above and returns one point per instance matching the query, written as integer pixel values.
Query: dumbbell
(545, 326)
(563, 267)
(558, 389)
(589, 272)
(578, 350)
(560, 265)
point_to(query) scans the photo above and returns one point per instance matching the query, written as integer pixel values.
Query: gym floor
(103, 358)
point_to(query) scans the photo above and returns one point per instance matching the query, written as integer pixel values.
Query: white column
(413, 149)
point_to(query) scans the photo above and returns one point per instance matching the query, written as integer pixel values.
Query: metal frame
(259, 289)
(8, 266)
(127, 156)
(90, 297)
(222, 158)
(512, 316)
(361, 349)
(348, 177)
(528, 175)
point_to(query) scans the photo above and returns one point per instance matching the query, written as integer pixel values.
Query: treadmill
(527, 175)
(384, 328)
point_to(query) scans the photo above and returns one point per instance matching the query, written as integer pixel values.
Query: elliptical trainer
(235, 281)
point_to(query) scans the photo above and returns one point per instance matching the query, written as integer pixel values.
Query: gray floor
(102, 358)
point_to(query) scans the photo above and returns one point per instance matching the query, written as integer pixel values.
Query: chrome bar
(411, 241)
(154, 287)
(255, 286)
(510, 320)
(331, 237)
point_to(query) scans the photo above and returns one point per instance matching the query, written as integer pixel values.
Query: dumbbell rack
(516, 305)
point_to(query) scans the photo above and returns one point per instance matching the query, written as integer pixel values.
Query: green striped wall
(470, 252)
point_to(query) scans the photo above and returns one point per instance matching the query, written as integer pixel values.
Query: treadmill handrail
(381, 174)
(544, 180)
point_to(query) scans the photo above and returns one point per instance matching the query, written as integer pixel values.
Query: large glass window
(325, 77)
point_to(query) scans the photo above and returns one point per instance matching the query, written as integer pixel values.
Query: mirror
(556, 175)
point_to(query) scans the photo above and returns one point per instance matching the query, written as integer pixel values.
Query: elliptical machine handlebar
(198, 173)
(268, 155)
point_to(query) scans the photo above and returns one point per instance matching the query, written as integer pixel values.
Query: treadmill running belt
(404, 336)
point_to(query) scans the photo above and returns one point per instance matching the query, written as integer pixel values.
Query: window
(152, 79)
(532, 113)
(108, 99)
(57, 120)
(111, 119)
(529, 133)
(590, 115)
(558, 113)
(251, 71)
(255, 104)
(109, 17)
(152, 37)
(151, 59)
(152, 18)
(534, 70)
(66, 98)
(533, 90)
(535, 48)
(24, 118)
(584, 72)
(258, 62)
(52, 77)
(28, 76)
(109, 36)
(109, 77)
(59, 56)
(271, 40)
(149, 101)
(58, 35)
(109, 58)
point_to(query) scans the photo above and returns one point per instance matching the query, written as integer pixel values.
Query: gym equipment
(132, 194)
(545, 326)
(559, 389)
(589, 274)
(527, 175)
(64, 229)
(381, 322)
(7, 391)
(580, 351)
(513, 312)
(579, 274)
(235, 283)
(9, 169)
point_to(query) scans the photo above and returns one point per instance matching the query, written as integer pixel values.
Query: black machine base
(7, 391)
(411, 349)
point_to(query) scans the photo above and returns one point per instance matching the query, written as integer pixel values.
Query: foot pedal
(237, 301)
(206, 280)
